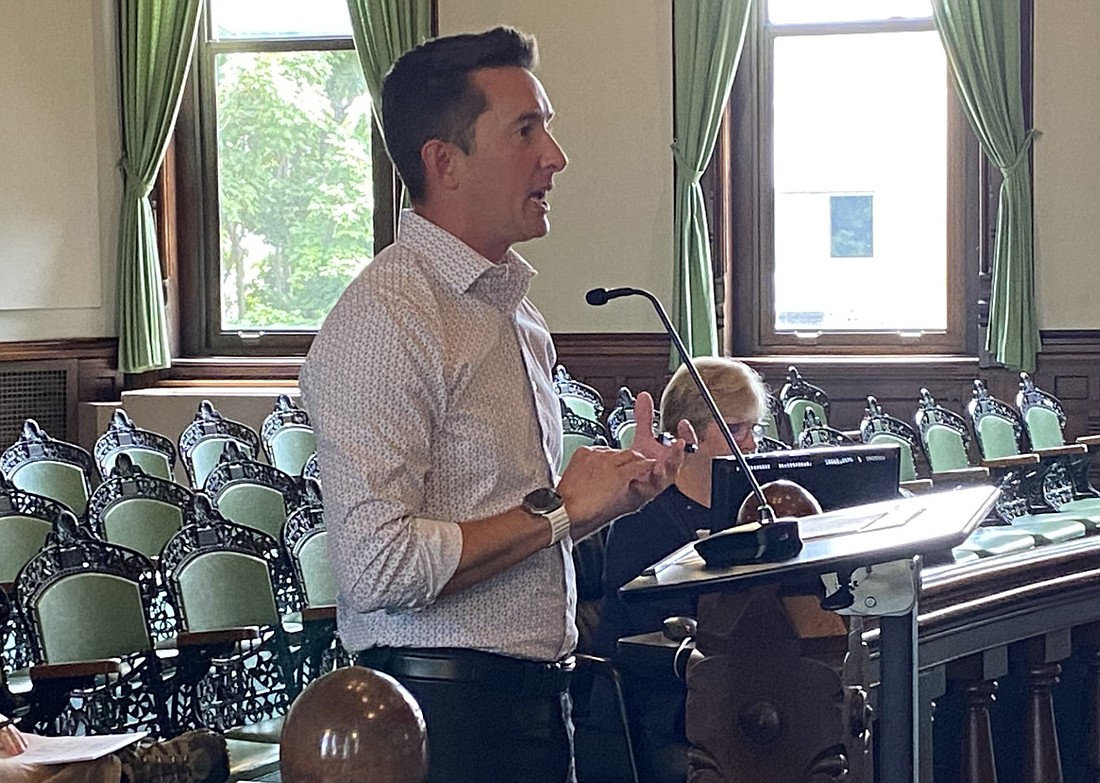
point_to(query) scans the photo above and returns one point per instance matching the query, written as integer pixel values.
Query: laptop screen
(837, 476)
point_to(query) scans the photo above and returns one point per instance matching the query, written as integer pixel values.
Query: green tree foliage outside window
(851, 223)
(296, 188)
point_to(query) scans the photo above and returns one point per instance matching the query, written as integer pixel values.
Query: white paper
(64, 750)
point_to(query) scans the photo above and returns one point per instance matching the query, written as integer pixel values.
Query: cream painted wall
(1067, 163)
(607, 67)
(59, 188)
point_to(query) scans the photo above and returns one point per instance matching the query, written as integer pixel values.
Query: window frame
(195, 309)
(742, 239)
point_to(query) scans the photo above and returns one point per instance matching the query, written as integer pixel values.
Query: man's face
(506, 178)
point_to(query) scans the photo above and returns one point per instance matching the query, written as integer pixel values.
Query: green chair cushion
(317, 573)
(291, 446)
(1043, 428)
(144, 524)
(91, 616)
(998, 437)
(254, 505)
(223, 590)
(20, 539)
(945, 447)
(60, 481)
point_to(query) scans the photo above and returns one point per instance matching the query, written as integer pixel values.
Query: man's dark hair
(428, 94)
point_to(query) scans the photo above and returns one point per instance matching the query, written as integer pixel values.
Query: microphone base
(751, 543)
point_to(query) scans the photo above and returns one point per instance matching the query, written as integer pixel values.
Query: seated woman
(675, 517)
(195, 757)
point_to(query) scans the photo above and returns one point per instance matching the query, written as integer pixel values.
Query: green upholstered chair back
(220, 590)
(816, 434)
(306, 540)
(91, 616)
(1044, 417)
(878, 427)
(250, 493)
(144, 524)
(620, 421)
(796, 397)
(580, 398)
(52, 468)
(943, 434)
(996, 425)
(225, 575)
(287, 436)
(20, 538)
(203, 440)
(87, 599)
(152, 452)
(946, 448)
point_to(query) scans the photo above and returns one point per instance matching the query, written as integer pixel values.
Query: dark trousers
(490, 719)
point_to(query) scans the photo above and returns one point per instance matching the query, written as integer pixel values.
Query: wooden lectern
(777, 687)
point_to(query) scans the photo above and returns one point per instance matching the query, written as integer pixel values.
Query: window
(281, 174)
(845, 129)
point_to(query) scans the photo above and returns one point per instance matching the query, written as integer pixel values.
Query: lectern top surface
(851, 537)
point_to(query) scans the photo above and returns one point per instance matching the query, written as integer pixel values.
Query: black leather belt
(521, 676)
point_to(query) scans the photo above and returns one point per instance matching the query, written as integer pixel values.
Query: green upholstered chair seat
(987, 541)
(962, 556)
(253, 505)
(144, 524)
(63, 611)
(946, 449)
(1050, 528)
(291, 446)
(222, 590)
(60, 481)
(20, 538)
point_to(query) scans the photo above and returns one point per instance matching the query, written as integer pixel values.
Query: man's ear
(441, 163)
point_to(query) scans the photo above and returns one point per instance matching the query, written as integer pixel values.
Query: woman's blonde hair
(738, 390)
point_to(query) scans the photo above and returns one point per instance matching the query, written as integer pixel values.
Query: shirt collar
(463, 269)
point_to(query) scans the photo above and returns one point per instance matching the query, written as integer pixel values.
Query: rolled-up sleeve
(373, 386)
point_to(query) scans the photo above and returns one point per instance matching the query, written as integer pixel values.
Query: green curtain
(383, 31)
(707, 40)
(155, 45)
(982, 39)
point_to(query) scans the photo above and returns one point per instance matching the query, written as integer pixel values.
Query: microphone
(769, 539)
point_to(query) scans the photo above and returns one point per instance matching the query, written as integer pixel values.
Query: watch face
(542, 500)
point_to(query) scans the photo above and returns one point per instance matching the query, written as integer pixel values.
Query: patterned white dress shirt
(430, 389)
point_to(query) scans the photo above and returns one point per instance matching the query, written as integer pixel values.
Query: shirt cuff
(437, 557)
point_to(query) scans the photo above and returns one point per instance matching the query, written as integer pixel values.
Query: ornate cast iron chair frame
(879, 426)
(287, 420)
(209, 425)
(798, 395)
(35, 446)
(124, 437)
(117, 690)
(569, 389)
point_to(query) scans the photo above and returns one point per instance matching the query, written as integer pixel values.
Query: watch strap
(559, 524)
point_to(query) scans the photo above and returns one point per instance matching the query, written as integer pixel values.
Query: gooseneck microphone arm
(601, 296)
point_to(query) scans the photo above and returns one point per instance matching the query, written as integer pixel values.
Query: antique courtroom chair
(52, 468)
(620, 421)
(305, 540)
(816, 434)
(237, 663)
(26, 521)
(577, 431)
(88, 604)
(796, 397)
(136, 509)
(999, 432)
(150, 451)
(251, 493)
(201, 442)
(878, 427)
(1044, 418)
(287, 437)
(578, 397)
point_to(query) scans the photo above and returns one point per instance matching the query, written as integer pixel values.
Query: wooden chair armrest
(962, 476)
(1089, 440)
(1011, 462)
(40, 672)
(916, 486)
(225, 636)
(1058, 451)
(313, 614)
(855, 435)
